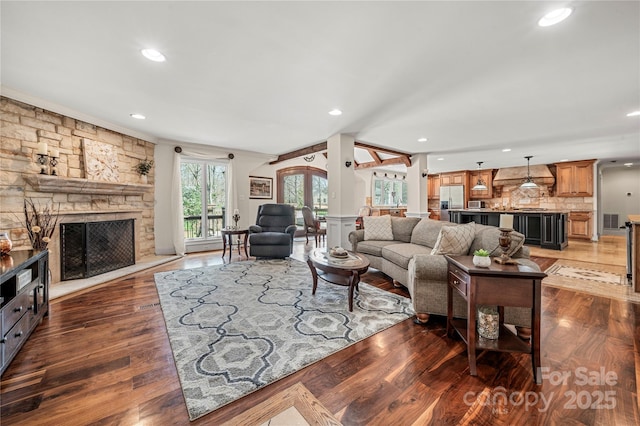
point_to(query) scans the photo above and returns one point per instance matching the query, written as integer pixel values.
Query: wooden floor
(103, 357)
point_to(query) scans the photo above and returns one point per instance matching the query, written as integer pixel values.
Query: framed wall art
(100, 161)
(260, 187)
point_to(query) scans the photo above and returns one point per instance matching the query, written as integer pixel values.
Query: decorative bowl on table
(338, 252)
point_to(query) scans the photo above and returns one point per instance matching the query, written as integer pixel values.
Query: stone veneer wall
(22, 126)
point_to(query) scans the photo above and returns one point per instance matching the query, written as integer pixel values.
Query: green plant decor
(481, 253)
(144, 167)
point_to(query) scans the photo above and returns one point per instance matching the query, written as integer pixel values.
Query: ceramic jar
(482, 261)
(5, 243)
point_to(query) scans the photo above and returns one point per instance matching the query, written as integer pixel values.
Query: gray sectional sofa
(407, 259)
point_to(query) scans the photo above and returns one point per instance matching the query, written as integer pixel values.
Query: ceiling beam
(322, 146)
(402, 158)
(388, 162)
(378, 149)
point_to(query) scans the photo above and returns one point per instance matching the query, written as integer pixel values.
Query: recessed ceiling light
(153, 55)
(564, 159)
(506, 150)
(422, 140)
(555, 16)
(138, 116)
(440, 159)
(628, 164)
(335, 111)
(633, 114)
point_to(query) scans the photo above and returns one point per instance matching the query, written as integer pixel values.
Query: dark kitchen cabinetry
(530, 225)
(545, 229)
(555, 232)
(24, 299)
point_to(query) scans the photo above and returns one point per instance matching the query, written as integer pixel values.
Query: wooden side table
(227, 234)
(501, 285)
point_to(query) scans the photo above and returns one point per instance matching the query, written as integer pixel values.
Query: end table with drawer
(498, 285)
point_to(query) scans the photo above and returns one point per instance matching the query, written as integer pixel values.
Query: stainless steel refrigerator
(451, 197)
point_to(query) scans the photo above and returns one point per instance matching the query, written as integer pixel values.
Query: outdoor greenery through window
(304, 186)
(204, 198)
(389, 192)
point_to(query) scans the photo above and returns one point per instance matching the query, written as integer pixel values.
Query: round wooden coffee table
(340, 271)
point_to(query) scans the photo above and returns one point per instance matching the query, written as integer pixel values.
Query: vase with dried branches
(40, 223)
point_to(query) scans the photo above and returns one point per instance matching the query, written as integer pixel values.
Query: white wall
(619, 194)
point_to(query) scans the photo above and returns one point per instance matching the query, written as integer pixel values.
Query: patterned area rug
(587, 274)
(600, 280)
(236, 328)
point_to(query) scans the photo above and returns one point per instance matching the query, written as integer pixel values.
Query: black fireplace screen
(93, 248)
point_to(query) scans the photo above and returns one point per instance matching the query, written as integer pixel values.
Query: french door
(304, 186)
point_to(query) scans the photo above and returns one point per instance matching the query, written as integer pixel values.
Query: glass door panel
(320, 195)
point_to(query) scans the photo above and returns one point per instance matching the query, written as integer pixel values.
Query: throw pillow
(455, 239)
(378, 228)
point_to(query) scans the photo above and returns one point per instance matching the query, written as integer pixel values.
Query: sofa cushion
(378, 228)
(426, 232)
(402, 227)
(373, 247)
(401, 254)
(455, 239)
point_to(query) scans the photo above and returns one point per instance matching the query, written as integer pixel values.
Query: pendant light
(528, 182)
(480, 185)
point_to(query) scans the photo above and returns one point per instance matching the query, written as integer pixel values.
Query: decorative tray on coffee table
(338, 254)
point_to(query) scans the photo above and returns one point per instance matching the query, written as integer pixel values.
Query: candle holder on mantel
(505, 243)
(236, 218)
(54, 162)
(43, 160)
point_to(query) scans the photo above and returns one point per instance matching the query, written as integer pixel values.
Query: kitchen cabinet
(399, 212)
(456, 178)
(435, 214)
(433, 187)
(554, 231)
(574, 179)
(24, 299)
(580, 225)
(545, 229)
(487, 177)
(530, 225)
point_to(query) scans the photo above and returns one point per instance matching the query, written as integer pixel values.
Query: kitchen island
(545, 228)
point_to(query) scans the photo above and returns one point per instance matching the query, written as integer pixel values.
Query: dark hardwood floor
(103, 357)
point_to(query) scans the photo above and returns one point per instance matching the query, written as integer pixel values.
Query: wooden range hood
(514, 176)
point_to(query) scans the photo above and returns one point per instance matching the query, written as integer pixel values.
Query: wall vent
(610, 221)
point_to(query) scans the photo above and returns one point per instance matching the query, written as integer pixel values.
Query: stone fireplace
(80, 197)
(104, 191)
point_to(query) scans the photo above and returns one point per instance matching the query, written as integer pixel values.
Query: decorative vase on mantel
(144, 179)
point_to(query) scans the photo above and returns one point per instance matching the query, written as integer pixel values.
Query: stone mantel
(46, 183)
(89, 212)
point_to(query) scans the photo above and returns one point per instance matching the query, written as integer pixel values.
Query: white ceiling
(472, 77)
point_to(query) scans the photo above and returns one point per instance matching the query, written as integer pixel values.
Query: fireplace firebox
(93, 248)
